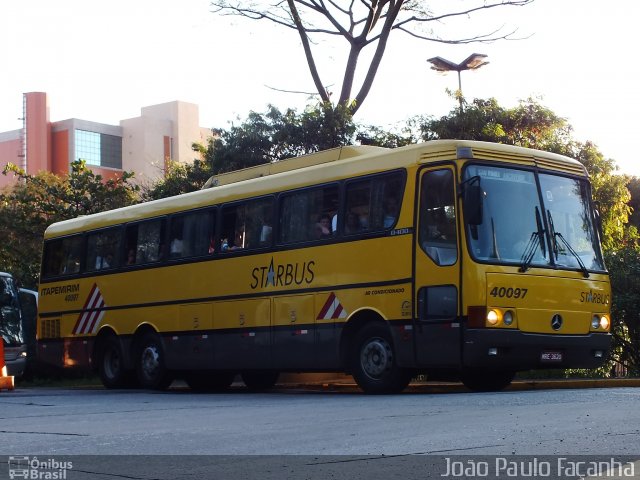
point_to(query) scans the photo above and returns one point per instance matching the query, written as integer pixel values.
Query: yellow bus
(455, 259)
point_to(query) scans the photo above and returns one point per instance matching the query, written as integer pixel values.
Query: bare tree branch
(294, 91)
(307, 52)
(486, 38)
(362, 23)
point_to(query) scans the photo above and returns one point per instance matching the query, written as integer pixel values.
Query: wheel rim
(150, 361)
(111, 363)
(376, 357)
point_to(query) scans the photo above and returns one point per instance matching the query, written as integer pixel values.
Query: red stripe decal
(327, 306)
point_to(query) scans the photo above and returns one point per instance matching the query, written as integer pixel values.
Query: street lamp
(472, 62)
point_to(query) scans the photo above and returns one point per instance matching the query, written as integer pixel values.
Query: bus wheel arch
(368, 351)
(356, 321)
(148, 352)
(110, 361)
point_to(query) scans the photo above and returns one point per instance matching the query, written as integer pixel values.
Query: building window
(99, 149)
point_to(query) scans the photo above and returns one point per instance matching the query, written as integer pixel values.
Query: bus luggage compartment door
(294, 332)
(242, 337)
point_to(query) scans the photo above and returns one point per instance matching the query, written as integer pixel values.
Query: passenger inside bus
(351, 224)
(390, 211)
(104, 261)
(237, 244)
(323, 227)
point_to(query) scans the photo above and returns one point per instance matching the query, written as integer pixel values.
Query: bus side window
(307, 214)
(102, 249)
(144, 242)
(62, 256)
(247, 225)
(373, 204)
(191, 234)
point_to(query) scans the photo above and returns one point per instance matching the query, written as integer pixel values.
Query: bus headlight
(600, 322)
(493, 317)
(508, 317)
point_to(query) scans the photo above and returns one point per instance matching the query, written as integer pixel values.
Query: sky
(103, 61)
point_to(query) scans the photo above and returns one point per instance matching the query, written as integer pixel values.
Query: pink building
(142, 144)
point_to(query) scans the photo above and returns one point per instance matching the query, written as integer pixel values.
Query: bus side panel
(294, 332)
(192, 347)
(241, 338)
(327, 334)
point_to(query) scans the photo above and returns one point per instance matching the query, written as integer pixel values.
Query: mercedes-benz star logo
(556, 322)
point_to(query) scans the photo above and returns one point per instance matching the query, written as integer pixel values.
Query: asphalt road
(273, 432)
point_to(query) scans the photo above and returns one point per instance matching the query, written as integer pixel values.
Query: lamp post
(472, 62)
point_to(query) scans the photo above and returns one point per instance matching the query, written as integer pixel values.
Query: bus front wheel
(111, 365)
(480, 380)
(150, 366)
(373, 362)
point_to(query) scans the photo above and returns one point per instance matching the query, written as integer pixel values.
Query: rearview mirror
(472, 207)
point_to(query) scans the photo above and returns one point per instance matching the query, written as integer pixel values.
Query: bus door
(437, 271)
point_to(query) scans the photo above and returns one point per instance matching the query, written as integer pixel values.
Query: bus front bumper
(516, 350)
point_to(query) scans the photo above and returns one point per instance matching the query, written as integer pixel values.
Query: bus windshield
(520, 226)
(10, 320)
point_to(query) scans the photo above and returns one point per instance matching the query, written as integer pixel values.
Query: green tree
(407, 134)
(276, 135)
(179, 178)
(36, 201)
(634, 189)
(367, 23)
(529, 124)
(624, 270)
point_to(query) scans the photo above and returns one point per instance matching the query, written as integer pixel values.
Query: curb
(344, 385)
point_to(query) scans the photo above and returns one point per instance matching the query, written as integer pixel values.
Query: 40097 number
(508, 292)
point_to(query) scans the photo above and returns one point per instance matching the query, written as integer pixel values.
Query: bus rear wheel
(260, 380)
(373, 362)
(209, 381)
(480, 380)
(111, 365)
(150, 366)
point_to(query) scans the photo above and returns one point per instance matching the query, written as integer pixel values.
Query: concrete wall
(143, 150)
(161, 133)
(10, 151)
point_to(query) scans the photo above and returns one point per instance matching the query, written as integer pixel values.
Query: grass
(58, 380)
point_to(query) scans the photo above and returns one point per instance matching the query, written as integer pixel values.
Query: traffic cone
(6, 382)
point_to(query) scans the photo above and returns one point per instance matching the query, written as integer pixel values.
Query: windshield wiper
(536, 239)
(585, 272)
(552, 232)
(554, 236)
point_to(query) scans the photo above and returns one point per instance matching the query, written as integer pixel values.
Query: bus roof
(320, 167)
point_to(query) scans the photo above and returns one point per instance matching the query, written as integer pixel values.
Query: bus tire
(373, 362)
(260, 380)
(209, 381)
(479, 380)
(150, 363)
(111, 365)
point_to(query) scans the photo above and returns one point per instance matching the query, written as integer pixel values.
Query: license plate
(551, 356)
